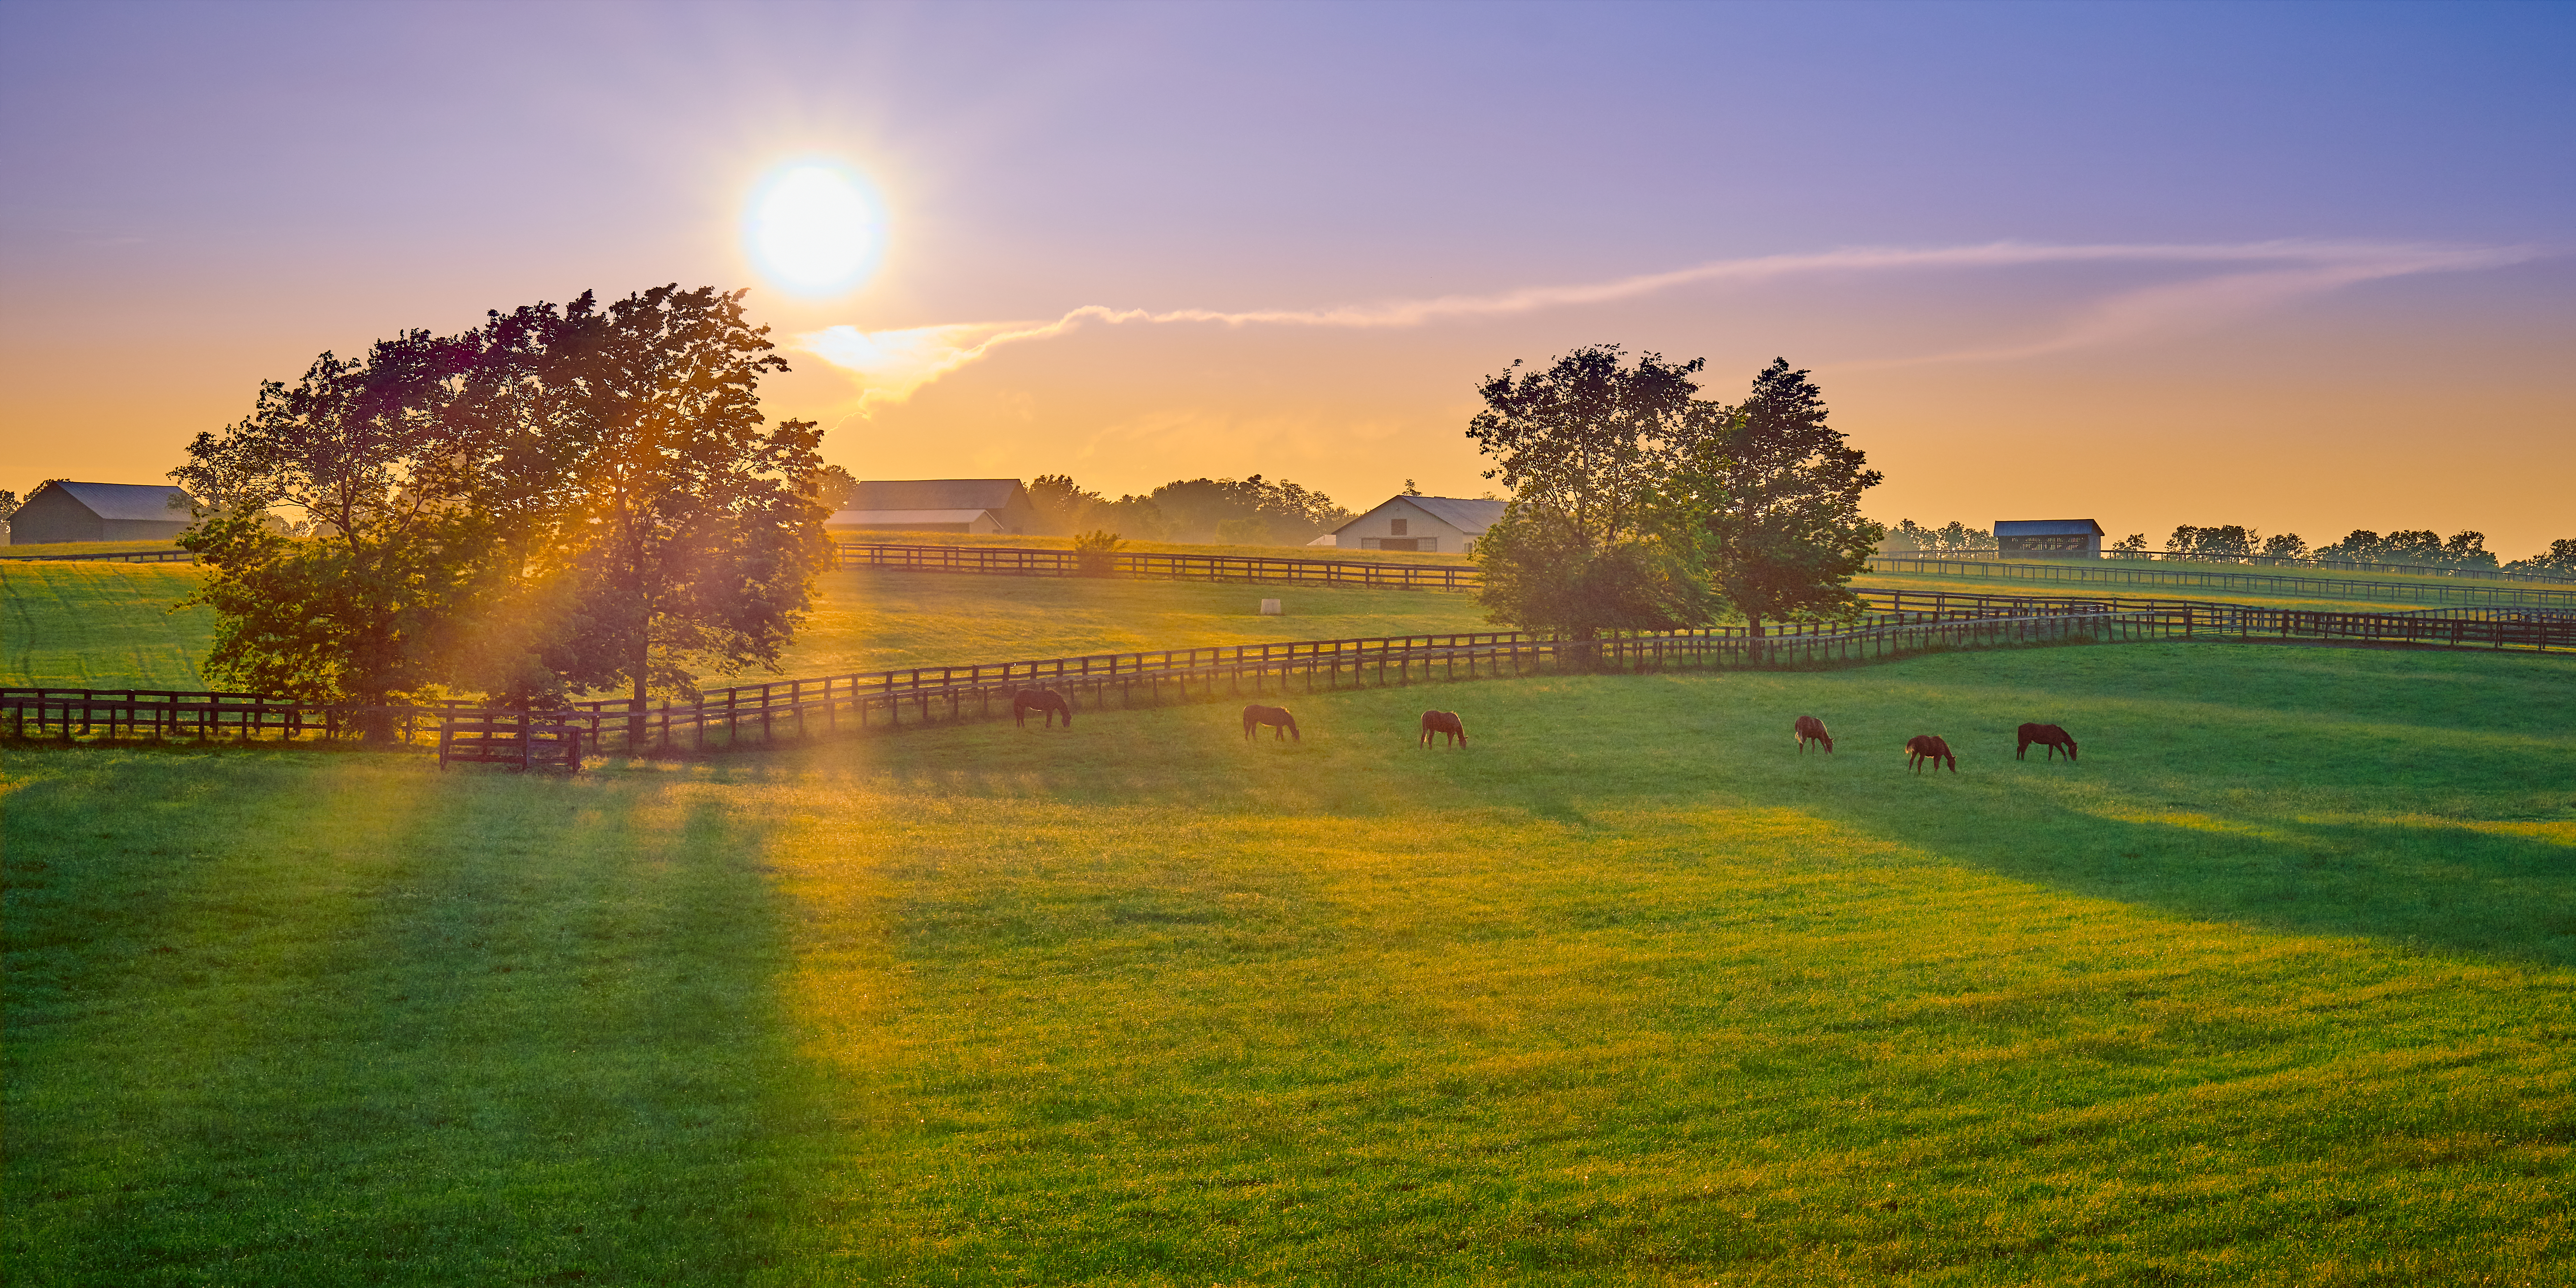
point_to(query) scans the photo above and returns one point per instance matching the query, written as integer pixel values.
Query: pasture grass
(79, 625)
(1152, 547)
(2271, 987)
(2358, 599)
(85, 548)
(867, 620)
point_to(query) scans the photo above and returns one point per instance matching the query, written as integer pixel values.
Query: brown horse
(1443, 722)
(1810, 729)
(1282, 725)
(1046, 700)
(1923, 749)
(2049, 736)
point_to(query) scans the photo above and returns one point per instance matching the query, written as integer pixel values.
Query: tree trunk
(635, 715)
(1753, 645)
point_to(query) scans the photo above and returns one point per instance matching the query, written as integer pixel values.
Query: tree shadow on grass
(2433, 886)
(528, 1031)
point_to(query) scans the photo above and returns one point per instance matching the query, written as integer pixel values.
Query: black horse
(1046, 700)
(2049, 736)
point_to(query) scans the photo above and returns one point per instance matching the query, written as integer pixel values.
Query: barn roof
(158, 502)
(2046, 527)
(935, 494)
(1469, 515)
(848, 517)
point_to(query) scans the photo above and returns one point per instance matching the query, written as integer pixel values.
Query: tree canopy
(1638, 506)
(567, 498)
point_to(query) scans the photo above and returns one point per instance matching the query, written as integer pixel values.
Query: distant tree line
(2417, 546)
(570, 498)
(1239, 512)
(2233, 543)
(1954, 537)
(1637, 505)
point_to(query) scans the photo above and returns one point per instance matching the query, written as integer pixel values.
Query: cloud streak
(891, 365)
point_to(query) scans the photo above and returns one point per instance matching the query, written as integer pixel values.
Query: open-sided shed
(2048, 538)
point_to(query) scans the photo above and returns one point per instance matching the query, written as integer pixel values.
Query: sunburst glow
(814, 228)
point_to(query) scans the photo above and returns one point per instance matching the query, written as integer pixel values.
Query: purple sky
(2357, 311)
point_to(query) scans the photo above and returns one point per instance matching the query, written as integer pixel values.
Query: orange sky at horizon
(2303, 297)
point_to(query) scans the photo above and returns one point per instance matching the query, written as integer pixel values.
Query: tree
(1950, 538)
(2560, 557)
(1585, 446)
(1541, 573)
(360, 611)
(831, 488)
(1587, 441)
(679, 533)
(1250, 511)
(1063, 506)
(1780, 492)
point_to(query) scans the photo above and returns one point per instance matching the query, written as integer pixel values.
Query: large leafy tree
(353, 593)
(1586, 447)
(1779, 490)
(680, 533)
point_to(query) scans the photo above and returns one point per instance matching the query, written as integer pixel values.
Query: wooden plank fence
(1899, 623)
(1023, 561)
(2279, 583)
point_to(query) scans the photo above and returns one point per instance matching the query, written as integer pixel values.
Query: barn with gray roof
(66, 511)
(1432, 524)
(936, 505)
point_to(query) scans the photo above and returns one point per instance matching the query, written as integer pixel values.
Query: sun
(814, 228)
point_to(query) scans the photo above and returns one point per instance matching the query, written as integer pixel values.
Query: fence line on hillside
(1031, 561)
(2480, 572)
(1903, 623)
(2332, 587)
(1023, 561)
(121, 556)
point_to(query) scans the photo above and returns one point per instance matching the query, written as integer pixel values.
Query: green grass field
(100, 625)
(87, 547)
(1982, 586)
(2274, 986)
(80, 625)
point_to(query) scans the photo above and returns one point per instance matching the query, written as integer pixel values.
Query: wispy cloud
(891, 365)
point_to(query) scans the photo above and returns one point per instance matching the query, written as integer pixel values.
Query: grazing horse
(2049, 736)
(1925, 748)
(1282, 725)
(1046, 700)
(1445, 722)
(1810, 729)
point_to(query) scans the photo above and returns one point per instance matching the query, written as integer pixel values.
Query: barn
(1437, 524)
(2048, 538)
(937, 505)
(66, 511)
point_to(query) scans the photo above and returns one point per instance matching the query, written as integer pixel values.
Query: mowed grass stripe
(1625, 991)
(101, 625)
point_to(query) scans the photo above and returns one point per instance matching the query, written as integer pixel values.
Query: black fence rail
(1023, 561)
(1899, 623)
(2278, 583)
(123, 556)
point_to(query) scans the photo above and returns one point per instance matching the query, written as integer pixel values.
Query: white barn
(1446, 525)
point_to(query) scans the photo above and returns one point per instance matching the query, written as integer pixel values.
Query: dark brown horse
(1283, 726)
(1443, 722)
(2049, 736)
(1924, 748)
(1046, 700)
(1810, 729)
